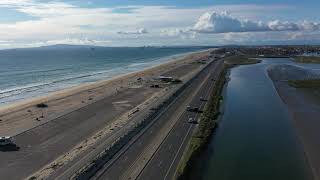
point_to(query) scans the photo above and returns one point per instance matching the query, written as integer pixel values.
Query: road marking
(133, 167)
(168, 171)
(185, 137)
(124, 175)
(207, 93)
(98, 175)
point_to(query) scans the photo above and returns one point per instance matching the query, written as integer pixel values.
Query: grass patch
(201, 136)
(240, 60)
(307, 59)
(309, 83)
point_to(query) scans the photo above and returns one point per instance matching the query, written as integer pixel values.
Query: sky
(33, 23)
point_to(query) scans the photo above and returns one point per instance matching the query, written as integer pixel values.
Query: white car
(6, 140)
(192, 121)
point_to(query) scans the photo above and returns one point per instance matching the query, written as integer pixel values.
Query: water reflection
(256, 139)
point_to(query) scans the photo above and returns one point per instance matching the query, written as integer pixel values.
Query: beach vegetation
(307, 59)
(240, 60)
(308, 83)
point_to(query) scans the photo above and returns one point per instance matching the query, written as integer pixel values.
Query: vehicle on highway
(203, 99)
(192, 109)
(192, 120)
(6, 140)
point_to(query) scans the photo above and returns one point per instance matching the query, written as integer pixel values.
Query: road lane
(126, 161)
(177, 141)
(42, 144)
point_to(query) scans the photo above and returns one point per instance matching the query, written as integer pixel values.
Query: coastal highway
(155, 153)
(43, 144)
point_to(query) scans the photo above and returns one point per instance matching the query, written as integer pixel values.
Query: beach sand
(19, 117)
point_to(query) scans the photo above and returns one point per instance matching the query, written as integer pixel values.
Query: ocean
(34, 72)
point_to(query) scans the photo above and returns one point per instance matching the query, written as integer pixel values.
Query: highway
(155, 152)
(43, 144)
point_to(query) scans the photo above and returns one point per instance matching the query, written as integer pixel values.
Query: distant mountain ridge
(69, 46)
(57, 47)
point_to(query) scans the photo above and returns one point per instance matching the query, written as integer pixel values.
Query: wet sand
(77, 119)
(19, 117)
(304, 106)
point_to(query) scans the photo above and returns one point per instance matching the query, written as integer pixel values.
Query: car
(190, 109)
(203, 99)
(192, 121)
(6, 140)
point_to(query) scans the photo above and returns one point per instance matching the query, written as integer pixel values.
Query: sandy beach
(79, 118)
(19, 117)
(304, 106)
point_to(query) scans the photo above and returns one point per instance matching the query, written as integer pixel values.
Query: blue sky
(28, 23)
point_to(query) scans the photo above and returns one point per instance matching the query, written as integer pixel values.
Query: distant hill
(66, 46)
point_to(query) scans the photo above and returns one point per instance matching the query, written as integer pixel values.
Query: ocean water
(34, 72)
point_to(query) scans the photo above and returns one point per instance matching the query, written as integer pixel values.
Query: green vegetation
(208, 120)
(309, 83)
(307, 59)
(201, 136)
(240, 60)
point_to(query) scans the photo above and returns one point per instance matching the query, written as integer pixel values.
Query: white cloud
(181, 33)
(138, 31)
(223, 22)
(66, 23)
(173, 32)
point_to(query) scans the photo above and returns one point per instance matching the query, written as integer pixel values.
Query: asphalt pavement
(155, 153)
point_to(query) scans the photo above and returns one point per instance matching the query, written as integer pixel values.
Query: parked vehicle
(6, 140)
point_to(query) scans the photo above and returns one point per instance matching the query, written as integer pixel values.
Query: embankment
(208, 120)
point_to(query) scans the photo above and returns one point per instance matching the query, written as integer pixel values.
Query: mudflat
(304, 106)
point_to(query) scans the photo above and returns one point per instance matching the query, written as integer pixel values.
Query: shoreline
(214, 112)
(92, 85)
(71, 138)
(13, 116)
(304, 113)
